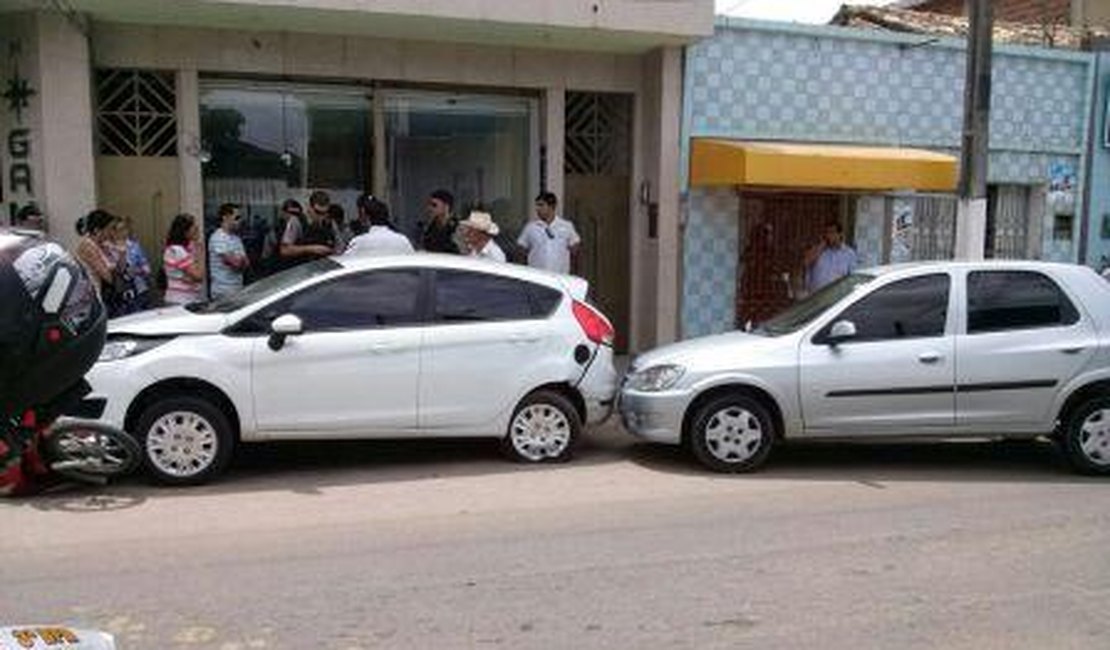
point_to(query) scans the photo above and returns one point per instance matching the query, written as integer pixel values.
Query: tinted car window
(462, 296)
(915, 307)
(365, 300)
(266, 287)
(544, 300)
(1006, 300)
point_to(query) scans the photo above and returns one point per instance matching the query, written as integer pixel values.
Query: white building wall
(52, 55)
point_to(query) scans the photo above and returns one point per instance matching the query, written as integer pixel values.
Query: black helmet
(52, 323)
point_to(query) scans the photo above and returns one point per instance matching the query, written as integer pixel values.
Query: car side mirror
(842, 330)
(282, 327)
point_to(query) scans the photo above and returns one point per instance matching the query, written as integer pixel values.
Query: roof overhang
(619, 26)
(816, 166)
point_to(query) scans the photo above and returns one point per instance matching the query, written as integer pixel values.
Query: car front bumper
(653, 416)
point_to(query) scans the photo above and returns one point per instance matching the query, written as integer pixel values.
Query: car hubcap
(733, 435)
(1094, 437)
(540, 431)
(181, 443)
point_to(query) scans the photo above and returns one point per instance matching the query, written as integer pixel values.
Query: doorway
(777, 229)
(597, 184)
(478, 147)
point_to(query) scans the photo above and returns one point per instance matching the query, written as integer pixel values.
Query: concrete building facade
(151, 109)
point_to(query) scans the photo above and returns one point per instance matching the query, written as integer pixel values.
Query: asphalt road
(426, 545)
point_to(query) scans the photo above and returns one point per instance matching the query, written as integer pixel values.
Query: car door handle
(1074, 350)
(382, 348)
(928, 357)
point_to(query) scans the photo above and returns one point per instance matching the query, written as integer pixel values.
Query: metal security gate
(1008, 222)
(1008, 233)
(933, 236)
(777, 228)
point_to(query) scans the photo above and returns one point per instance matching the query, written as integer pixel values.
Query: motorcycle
(49, 442)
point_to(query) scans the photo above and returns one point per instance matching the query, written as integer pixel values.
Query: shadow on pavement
(310, 467)
(307, 467)
(876, 462)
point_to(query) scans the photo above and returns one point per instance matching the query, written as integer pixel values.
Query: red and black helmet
(52, 324)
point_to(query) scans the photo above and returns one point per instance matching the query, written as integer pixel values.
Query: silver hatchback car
(938, 349)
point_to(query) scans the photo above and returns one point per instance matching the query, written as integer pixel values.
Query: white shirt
(491, 251)
(549, 245)
(379, 240)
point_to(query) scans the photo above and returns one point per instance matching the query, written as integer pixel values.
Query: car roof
(356, 262)
(997, 265)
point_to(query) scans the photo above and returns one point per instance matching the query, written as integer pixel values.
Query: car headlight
(117, 349)
(655, 378)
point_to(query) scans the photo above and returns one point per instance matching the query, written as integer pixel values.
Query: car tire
(185, 440)
(1085, 439)
(732, 433)
(545, 428)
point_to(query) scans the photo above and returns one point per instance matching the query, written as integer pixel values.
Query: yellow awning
(772, 164)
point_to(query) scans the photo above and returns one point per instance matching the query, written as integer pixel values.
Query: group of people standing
(549, 241)
(127, 282)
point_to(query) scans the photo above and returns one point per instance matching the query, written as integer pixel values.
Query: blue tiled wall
(709, 261)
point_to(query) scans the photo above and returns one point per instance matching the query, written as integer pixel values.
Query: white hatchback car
(945, 349)
(362, 347)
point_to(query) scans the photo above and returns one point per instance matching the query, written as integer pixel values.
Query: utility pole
(971, 211)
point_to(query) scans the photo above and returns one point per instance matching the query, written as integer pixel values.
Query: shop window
(136, 112)
(263, 143)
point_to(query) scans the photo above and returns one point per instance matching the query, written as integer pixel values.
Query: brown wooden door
(777, 229)
(598, 205)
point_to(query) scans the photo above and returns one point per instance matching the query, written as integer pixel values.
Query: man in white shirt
(478, 231)
(551, 241)
(380, 238)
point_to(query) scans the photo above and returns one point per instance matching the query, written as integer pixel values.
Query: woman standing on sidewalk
(182, 263)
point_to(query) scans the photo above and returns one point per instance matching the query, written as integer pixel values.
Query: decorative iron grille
(598, 133)
(933, 236)
(136, 113)
(1008, 223)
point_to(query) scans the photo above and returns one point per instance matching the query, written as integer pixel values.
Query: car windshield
(802, 313)
(265, 287)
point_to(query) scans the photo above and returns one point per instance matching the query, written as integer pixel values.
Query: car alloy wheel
(544, 427)
(732, 433)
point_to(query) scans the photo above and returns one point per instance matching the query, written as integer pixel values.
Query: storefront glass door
(478, 147)
(263, 143)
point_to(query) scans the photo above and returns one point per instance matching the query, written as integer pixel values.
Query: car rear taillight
(596, 326)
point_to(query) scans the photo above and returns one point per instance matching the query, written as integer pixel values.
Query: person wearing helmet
(52, 328)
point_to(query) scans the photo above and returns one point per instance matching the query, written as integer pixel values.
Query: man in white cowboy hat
(478, 231)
